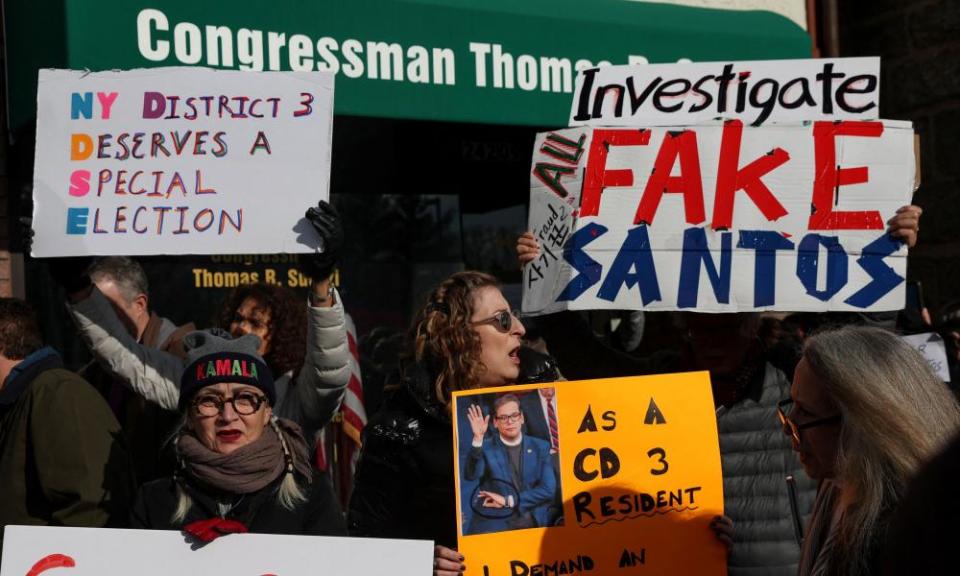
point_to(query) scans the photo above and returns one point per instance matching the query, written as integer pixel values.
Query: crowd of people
(834, 433)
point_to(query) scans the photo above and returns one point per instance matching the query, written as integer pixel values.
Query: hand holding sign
(326, 222)
(905, 224)
(722, 527)
(447, 562)
(528, 249)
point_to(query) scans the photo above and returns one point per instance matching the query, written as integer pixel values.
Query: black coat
(260, 512)
(404, 484)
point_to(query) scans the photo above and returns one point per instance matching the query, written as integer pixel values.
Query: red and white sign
(720, 217)
(34, 550)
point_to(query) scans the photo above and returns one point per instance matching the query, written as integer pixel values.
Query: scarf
(820, 541)
(280, 449)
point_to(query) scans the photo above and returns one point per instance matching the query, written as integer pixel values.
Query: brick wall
(919, 42)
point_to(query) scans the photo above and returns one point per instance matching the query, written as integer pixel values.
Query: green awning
(497, 61)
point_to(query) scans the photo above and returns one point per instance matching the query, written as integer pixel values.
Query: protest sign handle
(794, 509)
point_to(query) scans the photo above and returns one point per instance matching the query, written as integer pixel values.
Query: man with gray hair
(145, 425)
(124, 283)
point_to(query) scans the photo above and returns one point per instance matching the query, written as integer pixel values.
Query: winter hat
(213, 357)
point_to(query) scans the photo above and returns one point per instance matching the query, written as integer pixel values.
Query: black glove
(326, 221)
(26, 234)
(71, 273)
(536, 367)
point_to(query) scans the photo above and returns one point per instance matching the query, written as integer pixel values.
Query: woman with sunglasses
(464, 337)
(864, 413)
(240, 468)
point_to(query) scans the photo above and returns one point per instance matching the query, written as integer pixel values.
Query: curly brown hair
(442, 338)
(287, 326)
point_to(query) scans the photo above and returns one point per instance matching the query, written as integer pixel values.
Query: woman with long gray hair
(240, 468)
(865, 412)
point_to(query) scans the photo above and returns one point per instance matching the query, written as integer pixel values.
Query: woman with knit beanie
(240, 468)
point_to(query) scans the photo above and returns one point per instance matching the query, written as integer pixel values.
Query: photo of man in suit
(517, 482)
(539, 409)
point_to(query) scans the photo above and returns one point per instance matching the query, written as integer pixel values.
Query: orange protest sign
(598, 476)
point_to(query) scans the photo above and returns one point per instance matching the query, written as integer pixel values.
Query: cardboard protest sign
(757, 92)
(595, 476)
(720, 217)
(32, 550)
(179, 161)
(934, 351)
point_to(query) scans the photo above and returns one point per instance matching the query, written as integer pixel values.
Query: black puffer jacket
(404, 482)
(260, 512)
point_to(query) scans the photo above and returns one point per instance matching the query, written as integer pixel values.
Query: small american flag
(338, 444)
(354, 414)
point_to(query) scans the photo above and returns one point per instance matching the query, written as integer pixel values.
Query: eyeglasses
(502, 321)
(792, 429)
(244, 404)
(511, 418)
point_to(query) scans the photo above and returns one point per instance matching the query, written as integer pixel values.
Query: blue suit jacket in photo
(491, 465)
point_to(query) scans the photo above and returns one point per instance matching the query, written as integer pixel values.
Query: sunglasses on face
(502, 321)
(791, 428)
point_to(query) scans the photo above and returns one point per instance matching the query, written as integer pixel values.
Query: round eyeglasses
(244, 403)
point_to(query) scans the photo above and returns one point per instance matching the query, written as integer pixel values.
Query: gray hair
(125, 272)
(896, 414)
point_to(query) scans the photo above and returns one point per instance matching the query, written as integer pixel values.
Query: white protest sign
(757, 92)
(719, 218)
(31, 550)
(934, 352)
(180, 161)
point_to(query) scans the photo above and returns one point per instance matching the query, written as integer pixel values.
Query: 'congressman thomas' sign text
(719, 217)
(179, 161)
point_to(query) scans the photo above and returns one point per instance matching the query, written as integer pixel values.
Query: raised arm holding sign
(304, 343)
(219, 162)
(665, 199)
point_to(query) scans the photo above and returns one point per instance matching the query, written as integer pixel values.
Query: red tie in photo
(554, 432)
